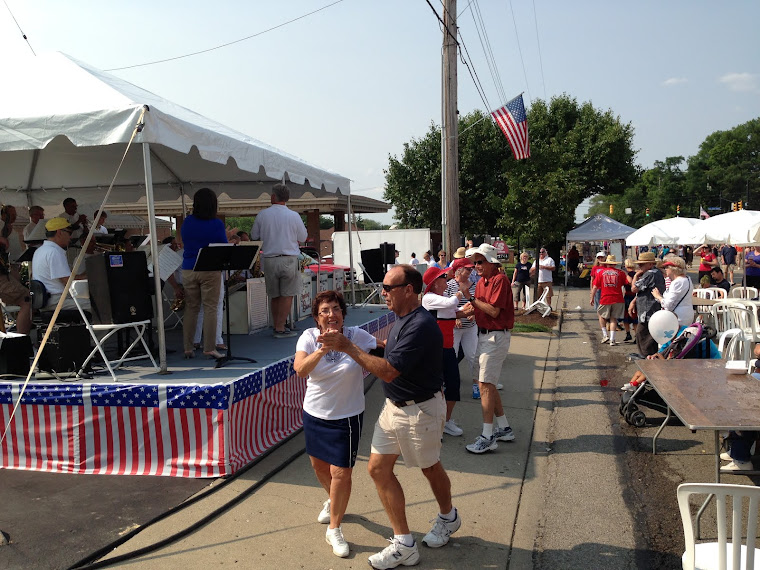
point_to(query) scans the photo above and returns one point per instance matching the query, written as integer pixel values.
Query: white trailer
(406, 242)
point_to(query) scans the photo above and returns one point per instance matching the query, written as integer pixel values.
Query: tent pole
(350, 253)
(154, 256)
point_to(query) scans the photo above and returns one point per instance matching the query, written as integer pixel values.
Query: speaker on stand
(372, 260)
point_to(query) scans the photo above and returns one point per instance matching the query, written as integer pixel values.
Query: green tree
(326, 222)
(576, 151)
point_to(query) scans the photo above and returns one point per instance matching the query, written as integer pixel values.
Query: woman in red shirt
(709, 260)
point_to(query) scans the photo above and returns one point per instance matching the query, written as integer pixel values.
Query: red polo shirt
(497, 291)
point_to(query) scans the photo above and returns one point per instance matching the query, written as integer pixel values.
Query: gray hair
(282, 192)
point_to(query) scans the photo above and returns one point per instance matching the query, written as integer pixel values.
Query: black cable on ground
(89, 562)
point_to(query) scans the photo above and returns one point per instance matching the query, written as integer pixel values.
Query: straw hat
(610, 260)
(459, 253)
(646, 257)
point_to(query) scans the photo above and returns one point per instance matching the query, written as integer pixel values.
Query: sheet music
(168, 262)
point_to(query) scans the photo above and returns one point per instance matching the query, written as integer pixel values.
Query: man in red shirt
(494, 313)
(611, 282)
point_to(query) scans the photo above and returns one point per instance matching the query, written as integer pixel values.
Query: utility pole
(450, 132)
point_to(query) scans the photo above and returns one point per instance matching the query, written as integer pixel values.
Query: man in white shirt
(545, 268)
(12, 292)
(414, 260)
(36, 213)
(280, 230)
(79, 229)
(49, 264)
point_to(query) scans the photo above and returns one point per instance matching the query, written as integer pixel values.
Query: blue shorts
(333, 441)
(451, 379)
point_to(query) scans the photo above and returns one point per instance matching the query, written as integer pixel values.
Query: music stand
(226, 257)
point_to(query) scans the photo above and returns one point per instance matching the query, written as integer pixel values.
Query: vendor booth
(599, 228)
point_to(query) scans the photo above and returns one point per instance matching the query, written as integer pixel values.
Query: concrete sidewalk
(276, 526)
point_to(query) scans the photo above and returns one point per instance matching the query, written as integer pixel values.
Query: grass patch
(529, 328)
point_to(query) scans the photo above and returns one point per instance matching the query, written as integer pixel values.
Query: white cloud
(673, 81)
(740, 81)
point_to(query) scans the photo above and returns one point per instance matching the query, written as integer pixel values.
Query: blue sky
(349, 85)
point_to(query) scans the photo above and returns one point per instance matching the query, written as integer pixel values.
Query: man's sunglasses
(389, 288)
(479, 262)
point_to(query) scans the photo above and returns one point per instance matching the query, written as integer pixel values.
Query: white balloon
(663, 326)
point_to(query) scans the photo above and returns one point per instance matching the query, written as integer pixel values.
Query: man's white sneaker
(324, 514)
(396, 554)
(726, 456)
(499, 386)
(452, 429)
(504, 434)
(482, 444)
(613, 343)
(441, 531)
(738, 466)
(334, 537)
(604, 340)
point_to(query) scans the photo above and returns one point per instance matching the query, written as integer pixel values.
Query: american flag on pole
(513, 122)
(702, 214)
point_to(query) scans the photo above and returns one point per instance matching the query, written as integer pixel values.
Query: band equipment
(120, 288)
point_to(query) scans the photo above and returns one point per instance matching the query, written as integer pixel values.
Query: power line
(228, 43)
(23, 35)
(519, 49)
(538, 41)
(486, 45)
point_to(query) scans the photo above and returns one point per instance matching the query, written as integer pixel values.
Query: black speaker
(66, 348)
(120, 290)
(388, 253)
(15, 353)
(372, 259)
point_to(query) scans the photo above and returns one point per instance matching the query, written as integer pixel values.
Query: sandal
(197, 345)
(214, 354)
(189, 354)
(221, 347)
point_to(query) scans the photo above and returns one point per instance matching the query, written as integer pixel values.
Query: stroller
(692, 342)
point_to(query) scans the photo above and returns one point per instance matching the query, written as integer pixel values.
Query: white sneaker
(324, 514)
(441, 531)
(452, 429)
(604, 340)
(628, 387)
(738, 466)
(499, 386)
(396, 554)
(334, 537)
(482, 444)
(725, 456)
(613, 343)
(504, 434)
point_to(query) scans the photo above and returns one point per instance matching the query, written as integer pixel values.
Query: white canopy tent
(737, 228)
(64, 127)
(671, 231)
(597, 228)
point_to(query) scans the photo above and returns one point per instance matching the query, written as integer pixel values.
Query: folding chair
(173, 315)
(721, 554)
(80, 290)
(743, 293)
(540, 305)
(377, 287)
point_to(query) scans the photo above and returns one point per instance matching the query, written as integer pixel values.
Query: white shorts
(492, 351)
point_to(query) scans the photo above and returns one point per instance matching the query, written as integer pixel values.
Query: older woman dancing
(333, 408)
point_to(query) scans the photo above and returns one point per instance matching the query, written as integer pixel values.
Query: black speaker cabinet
(15, 353)
(372, 259)
(120, 290)
(388, 253)
(66, 349)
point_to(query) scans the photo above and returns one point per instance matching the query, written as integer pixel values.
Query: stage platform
(195, 421)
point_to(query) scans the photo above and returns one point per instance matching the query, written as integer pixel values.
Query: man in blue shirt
(411, 422)
(728, 256)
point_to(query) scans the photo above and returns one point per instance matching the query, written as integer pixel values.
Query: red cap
(461, 262)
(431, 274)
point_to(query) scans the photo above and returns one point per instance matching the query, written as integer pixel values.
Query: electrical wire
(538, 41)
(228, 43)
(519, 49)
(23, 35)
(488, 51)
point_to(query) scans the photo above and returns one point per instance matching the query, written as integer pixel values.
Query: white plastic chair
(80, 290)
(738, 347)
(718, 292)
(716, 554)
(704, 293)
(540, 305)
(731, 316)
(743, 293)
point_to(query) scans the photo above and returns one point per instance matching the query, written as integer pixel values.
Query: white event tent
(737, 228)
(671, 231)
(64, 127)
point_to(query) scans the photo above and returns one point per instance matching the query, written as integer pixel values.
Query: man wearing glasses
(411, 421)
(545, 268)
(494, 313)
(50, 265)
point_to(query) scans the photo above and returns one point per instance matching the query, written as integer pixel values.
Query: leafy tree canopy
(576, 151)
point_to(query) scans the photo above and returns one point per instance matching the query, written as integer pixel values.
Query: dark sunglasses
(479, 262)
(389, 288)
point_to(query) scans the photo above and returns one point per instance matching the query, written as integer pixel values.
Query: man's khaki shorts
(729, 267)
(545, 285)
(492, 351)
(614, 311)
(414, 432)
(281, 276)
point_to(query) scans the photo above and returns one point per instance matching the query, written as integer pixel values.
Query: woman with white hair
(678, 297)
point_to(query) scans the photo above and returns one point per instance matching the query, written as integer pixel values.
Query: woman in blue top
(521, 279)
(199, 229)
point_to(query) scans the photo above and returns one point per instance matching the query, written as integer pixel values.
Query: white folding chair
(738, 347)
(540, 305)
(743, 293)
(173, 318)
(9, 314)
(80, 290)
(716, 554)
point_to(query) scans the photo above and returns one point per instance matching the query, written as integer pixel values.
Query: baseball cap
(54, 224)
